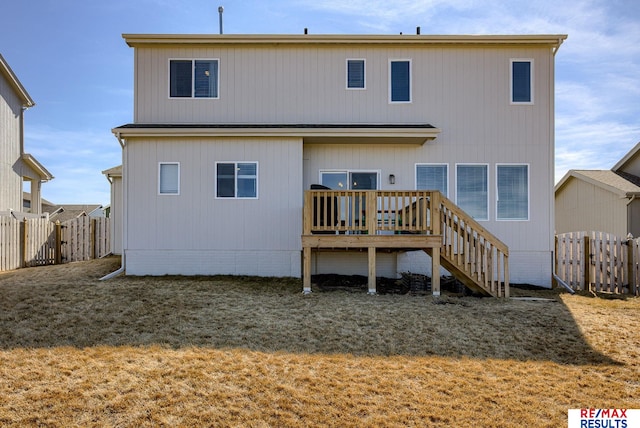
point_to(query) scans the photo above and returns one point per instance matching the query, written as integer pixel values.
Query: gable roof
(68, 212)
(626, 158)
(10, 76)
(37, 167)
(624, 185)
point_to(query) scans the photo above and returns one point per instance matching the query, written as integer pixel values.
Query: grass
(222, 351)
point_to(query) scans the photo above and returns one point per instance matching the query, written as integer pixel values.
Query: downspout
(123, 264)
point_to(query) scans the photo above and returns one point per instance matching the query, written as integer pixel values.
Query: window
(522, 81)
(513, 192)
(193, 78)
(237, 180)
(169, 178)
(355, 74)
(472, 193)
(400, 81)
(432, 177)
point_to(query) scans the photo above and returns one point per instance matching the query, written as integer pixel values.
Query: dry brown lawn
(221, 351)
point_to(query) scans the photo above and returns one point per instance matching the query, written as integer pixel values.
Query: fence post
(630, 264)
(586, 252)
(25, 242)
(58, 242)
(92, 238)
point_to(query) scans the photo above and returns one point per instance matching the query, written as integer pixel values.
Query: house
(16, 166)
(231, 131)
(601, 200)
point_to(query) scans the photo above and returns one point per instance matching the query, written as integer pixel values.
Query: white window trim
(236, 197)
(488, 186)
(415, 177)
(193, 70)
(159, 168)
(531, 81)
(410, 80)
(346, 83)
(378, 173)
(528, 192)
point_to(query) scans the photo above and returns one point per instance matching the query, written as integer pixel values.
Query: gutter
(564, 284)
(121, 270)
(115, 273)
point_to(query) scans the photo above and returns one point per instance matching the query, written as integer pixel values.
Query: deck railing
(367, 211)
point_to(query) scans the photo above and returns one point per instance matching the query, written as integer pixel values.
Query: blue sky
(70, 56)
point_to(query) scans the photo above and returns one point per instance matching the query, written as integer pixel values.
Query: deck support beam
(435, 271)
(372, 270)
(306, 269)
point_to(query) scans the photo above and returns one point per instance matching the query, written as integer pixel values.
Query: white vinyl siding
(198, 78)
(472, 190)
(400, 81)
(169, 178)
(433, 177)
(237, 180)
(521, 81)
(356, 74)
(512, 192)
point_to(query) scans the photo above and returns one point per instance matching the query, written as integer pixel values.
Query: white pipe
(113, 274)
(564, 284)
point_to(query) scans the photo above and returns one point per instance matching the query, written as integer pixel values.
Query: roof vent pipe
(220, 10)
(418, 31)
(306, 30)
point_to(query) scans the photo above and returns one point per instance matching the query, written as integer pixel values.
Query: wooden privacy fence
(38, 241)
(599, 262)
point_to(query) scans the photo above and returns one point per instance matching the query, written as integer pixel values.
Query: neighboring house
(45, 206)
(601, 200)
(230, 130)
(66, 212)
(16, 166)
(114, 175)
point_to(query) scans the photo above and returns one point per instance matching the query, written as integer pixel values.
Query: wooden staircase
(471, 253)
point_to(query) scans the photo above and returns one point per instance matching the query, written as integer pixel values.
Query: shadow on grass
(57, 306)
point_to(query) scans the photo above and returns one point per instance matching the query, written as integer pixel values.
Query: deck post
(372, 271)
(435, 271)
(306, 270)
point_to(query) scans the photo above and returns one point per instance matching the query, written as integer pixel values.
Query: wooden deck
(404, 220)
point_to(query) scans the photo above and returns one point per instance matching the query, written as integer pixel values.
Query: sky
(72, 60)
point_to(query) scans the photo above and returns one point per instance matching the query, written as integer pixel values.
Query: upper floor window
(196, 78)
(522, 81)
(513, 192)
(169, 178)
(472, 190)
(237, 180)
(355, 74)
(400, 81)
(432, 177)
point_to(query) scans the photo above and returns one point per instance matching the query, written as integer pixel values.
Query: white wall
(194, 232)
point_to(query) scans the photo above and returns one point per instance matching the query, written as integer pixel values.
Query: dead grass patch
(223, 351)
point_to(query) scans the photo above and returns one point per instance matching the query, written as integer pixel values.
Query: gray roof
(622, 184)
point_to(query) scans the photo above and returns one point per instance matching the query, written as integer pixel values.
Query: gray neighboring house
(16, 166)
(230, 130)
(601, 200)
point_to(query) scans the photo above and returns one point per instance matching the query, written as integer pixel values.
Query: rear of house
(229, 131)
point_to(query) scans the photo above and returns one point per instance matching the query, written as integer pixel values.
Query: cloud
(76, 159)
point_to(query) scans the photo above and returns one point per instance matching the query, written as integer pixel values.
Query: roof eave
(553, 40)
(315, 134)
(11, 77)
(33, 163)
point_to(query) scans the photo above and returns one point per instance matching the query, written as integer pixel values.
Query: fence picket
(603, 258)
